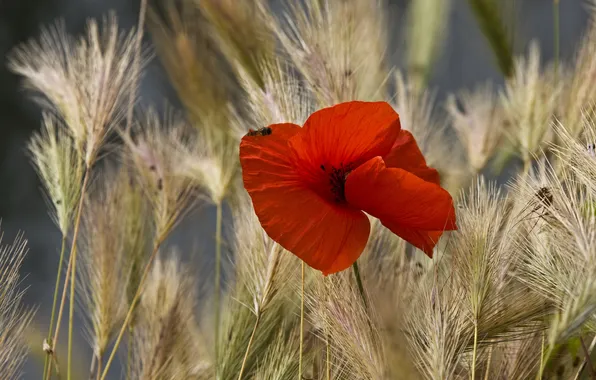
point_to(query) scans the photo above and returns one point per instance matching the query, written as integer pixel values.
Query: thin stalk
(92, 367)
(490, 356)
(60, 310)
(581, 367)
(475, 350)
(132, 306)
(47, 361)
(544, 356)
(218, 222)
(588, 359)
(252, 336)
(73, 262)
(328, 358)
(301, 325)
(359, 283)
(557, 42)
(99, 359)
(129, 352)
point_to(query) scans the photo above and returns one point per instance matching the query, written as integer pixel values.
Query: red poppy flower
(311, 185)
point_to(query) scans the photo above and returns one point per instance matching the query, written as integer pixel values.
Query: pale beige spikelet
(266, 269)
(339, 47)
(279, 362)
(241, 32)
(339, 315)
(417, 114)
(212, 165)
(282, 97)
(478, 123)
(437, 326)
(191, 60)
(577, 151)
(111, 238)
(166, 340)
(561, 259)
(578, 94)
(86, 81)
(515, 360)
(484, 256)
(427, 27)
(14, 316)
(60, 169)
(261, 301)
(154, 148)
(529, 104)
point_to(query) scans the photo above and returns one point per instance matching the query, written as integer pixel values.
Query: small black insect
(545, 196)
(591, 148)
(160, 184)
(266, 131)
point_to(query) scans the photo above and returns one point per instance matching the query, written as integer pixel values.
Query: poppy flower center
(337, 180)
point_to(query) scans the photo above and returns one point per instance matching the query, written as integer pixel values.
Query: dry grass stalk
(85, 82)
(14, 317)
(166, 341)
(339, 48)
(155, 151)
(115, 239)
(478, 123)
(529, 103)
(60, 169)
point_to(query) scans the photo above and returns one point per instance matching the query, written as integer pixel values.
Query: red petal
(404, 203)
(406, 155)
(347, 134)
(326, 236)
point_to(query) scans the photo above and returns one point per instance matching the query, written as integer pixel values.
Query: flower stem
(217, 291)
(359, 283)
(301, 325)
(252, 336)
(475, 350)
(47, 364)
(132, 306)
(73, 262)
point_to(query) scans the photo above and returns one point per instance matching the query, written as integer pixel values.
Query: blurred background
(464, 61)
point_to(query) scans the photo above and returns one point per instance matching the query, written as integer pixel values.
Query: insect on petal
(327, 237)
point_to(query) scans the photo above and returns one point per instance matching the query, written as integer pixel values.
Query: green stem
(217, 295)
(359, 283)
(73, 258)
(475, 350)
(301, 325)
(544, 356)
(47, 363)
(132, 306)
(252, 336)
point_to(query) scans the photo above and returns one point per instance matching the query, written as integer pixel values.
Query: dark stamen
(337, 180)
